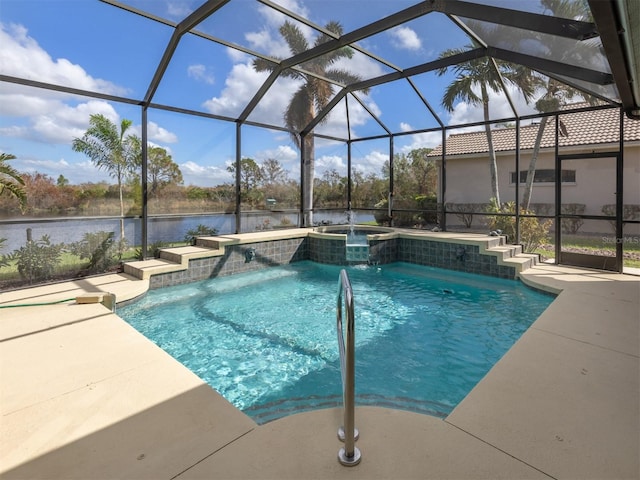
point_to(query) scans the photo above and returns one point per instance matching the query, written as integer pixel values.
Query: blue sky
(94, 46)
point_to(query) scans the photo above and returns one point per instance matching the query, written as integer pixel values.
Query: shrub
(153, 250)
(533, 231)
(382, 215)
(4, 259)
(409, 212)
(466, 211)
(285, 222)
(572, 225)
(629, 212)
(99, 248)
(429, 206)
(200, 231)
(38, 259)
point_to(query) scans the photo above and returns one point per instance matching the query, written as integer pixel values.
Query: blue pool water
(267, 340)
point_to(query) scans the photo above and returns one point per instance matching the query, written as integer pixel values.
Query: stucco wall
(468, 181)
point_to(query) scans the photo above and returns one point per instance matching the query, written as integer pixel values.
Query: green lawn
(594, 245)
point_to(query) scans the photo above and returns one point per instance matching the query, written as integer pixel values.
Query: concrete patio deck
(86, 396)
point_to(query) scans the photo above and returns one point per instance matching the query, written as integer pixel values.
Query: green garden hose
(37, 304)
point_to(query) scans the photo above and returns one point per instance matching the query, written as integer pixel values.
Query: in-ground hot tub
(350, 243)
(348, 232)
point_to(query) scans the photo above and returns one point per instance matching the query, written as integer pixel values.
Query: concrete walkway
(86, 396)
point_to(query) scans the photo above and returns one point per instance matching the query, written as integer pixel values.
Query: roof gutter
(631, 45)
(618, 47)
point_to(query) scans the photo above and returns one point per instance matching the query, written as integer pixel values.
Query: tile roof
(582, 128)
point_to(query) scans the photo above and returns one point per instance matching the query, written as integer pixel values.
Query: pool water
(267, 340)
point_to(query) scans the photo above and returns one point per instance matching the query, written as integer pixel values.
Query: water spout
(351, 220)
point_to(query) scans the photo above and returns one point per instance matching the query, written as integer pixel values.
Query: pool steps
(176, 259)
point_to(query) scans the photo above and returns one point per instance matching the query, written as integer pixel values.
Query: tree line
(415, 177)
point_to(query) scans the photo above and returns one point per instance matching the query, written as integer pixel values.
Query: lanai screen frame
(452, 8)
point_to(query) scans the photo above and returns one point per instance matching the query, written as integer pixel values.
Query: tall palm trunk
(493, 165)
(531, 173)
(308, 175)
(122, 236)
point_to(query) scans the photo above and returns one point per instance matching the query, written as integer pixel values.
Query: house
(587, 146)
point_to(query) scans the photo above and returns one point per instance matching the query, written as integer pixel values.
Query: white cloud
(179, 9)
(204, 175)
(372, 162)
(51, 117)
(330, 162)
(423, 140)
(21, 56)
(240, 86)
(405, 38)
(237, 56)
(360, 65)
(156, 133)
(274, 18)
(285, 154)
(405, 127)
(51, 120)
(498, 108)
(201, 73)
(336, 125)
(75, 172)
(243, 81)
(269, 42)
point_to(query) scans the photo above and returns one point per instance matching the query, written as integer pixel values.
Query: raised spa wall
(231, 254)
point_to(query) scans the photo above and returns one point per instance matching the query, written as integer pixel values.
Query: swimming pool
(266, 340)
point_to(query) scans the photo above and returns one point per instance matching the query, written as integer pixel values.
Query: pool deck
(86, 396)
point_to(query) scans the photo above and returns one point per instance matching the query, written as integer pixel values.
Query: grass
(595, 245)
(70, 266)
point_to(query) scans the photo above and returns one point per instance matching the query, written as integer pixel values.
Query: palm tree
(110, 150)
(11, 181)
(312, 95)
(481, 73)
(556, 93)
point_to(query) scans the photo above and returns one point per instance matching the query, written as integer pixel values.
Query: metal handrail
(349, 455)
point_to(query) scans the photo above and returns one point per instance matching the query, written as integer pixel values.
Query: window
(547, 175)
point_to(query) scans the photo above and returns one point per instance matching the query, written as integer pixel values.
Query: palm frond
(342, 76)
(322, 93)
(11, 180)
(332, 26)
(263, 65)
(6, 156)
(17, 190)
(294, 38)
(9, 171)
(448, 53)
(460, 89)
